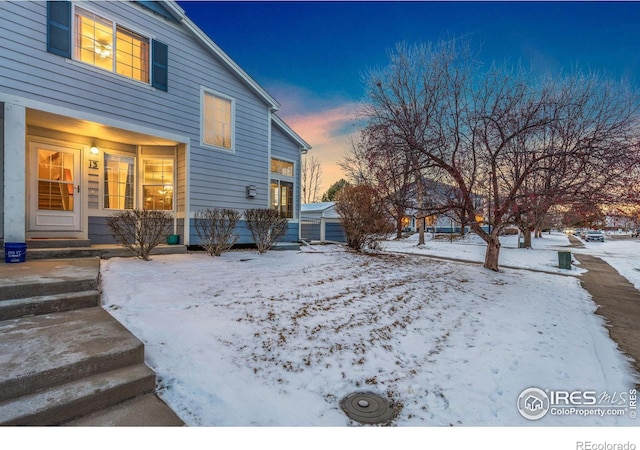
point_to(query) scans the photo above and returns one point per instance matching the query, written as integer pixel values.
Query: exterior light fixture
(251, 191)
(94, 150)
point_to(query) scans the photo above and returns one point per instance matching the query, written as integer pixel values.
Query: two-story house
(113, 105)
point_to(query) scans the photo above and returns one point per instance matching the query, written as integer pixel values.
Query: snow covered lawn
(278, 339)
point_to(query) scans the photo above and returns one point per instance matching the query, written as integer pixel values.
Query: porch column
(15, 187)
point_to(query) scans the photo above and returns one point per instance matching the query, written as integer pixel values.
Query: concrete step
(64, 402)
(46, 304)
(57, 243)
(48, 277)
(62, 347)
(100, 251)
(143, 411)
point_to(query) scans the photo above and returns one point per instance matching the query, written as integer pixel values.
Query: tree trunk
(493, 252)
(420, 231)
(527, 238)
(399, 227)
(463, 225)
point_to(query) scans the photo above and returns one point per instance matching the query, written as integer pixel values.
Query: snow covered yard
(278, 339)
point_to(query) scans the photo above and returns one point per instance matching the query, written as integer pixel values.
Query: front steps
(82, 248)
(63, 359)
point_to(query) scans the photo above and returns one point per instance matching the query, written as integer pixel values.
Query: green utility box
(564, 259)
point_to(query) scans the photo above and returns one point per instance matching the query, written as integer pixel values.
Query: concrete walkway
(618, 302)
(63, 356)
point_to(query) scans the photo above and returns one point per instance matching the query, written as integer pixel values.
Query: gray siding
(217, 178)
(244, 235)
(282, 146)
(1, 171)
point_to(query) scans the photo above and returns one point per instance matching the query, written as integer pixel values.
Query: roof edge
(226, 59)
(289, 131)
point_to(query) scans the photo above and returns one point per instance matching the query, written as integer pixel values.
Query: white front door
(54, 188)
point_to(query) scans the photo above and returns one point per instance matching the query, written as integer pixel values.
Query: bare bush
(267, 227)
(216, 229)
(363, 217)
(140, 230)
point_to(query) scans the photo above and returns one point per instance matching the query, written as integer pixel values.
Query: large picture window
(119, 181)
(102, 43)
(282, 184)
(217, 120)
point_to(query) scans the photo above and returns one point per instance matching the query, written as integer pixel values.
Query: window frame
(143, 184)
(104, 179)
(279, 178)
(115, 27)
(204, 92)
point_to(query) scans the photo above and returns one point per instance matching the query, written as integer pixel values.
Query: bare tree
(363, 217)
(481, 126)
(311, 177)
(589, 149)
(373, 160)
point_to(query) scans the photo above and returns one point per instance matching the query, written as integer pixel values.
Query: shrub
(266, 227)
(216, 228)
(140, 230)
(363, 218)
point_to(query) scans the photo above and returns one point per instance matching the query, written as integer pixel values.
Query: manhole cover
(367, 407)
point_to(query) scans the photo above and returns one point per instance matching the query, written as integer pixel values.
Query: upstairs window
(217, 120)
(73, 32)
(104, 44)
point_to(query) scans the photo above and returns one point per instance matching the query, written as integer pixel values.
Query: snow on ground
(278, 339)
(542, 256)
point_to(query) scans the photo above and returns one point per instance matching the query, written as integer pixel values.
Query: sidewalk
(618, 302)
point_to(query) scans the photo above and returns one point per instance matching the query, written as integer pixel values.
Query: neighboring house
(434, 208)
(320, 222)
(107, 106)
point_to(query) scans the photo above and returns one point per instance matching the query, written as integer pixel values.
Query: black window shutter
(59, 28)
(160, 65)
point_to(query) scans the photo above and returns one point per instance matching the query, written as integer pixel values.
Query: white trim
(207, 91)
(269, 117)
(15, 174)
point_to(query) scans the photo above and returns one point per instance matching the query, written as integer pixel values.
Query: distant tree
(373, 160)
(333, 190)
(584, 216)
(311, 175)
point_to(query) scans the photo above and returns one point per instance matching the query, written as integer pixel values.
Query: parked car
(594, 235)
(635, 233)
